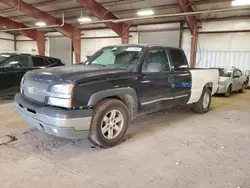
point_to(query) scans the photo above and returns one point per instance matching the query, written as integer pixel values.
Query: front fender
(128, 95)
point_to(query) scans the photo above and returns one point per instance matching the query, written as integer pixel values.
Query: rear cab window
(178, 60)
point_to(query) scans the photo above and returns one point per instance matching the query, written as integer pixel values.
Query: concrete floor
(173, 149)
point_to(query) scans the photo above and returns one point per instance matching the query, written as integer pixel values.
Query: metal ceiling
(122, 9)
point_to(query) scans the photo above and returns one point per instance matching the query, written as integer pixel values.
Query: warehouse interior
(170, 148)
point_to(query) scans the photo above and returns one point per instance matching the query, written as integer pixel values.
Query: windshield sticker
(134, 49)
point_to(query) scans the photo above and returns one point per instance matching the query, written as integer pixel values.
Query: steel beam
(65, 29)
(193, 49)
(103, 14)
(186, 6)
(32, 33)
(125, 34)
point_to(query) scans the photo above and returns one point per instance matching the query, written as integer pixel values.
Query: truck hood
(76, 73)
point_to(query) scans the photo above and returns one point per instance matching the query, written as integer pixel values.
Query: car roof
(16, 54)
(224, 68)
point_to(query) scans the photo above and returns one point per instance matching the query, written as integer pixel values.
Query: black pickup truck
(14, 65)
(100, 97)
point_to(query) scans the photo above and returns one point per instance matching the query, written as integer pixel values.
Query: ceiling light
(40, 24)
(84, 19)
(240, 2)
(145, 13)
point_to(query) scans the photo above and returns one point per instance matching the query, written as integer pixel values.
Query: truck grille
(34, 90)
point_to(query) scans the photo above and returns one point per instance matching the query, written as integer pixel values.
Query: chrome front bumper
(65, 123)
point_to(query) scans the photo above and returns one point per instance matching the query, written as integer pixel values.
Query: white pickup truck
(100, 97)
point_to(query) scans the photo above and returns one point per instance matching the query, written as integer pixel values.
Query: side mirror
(88, 57)
(236, 77)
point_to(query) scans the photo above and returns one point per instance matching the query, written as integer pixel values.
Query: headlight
(66, 103)
(60, 95)
(62, 88)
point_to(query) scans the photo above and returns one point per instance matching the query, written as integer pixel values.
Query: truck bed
(201, 77)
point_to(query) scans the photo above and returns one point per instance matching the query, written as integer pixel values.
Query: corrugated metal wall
(207, 59)
(221, 49)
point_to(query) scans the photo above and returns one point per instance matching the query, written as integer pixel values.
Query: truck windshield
(225, 72)
(125, 57)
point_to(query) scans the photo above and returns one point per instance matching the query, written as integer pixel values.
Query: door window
(235, 74)
(178, 59)
(17, 62)
(38, 62)
(156, 61)
(239, 73)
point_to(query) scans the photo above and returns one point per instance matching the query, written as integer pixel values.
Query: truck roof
(143, 45)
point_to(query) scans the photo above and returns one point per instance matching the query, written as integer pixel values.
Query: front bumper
(222, 89)
(65, 123)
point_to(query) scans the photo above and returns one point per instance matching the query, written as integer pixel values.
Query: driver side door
(155, 91)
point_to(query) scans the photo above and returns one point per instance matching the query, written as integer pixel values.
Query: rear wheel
(109, 123)
(229, 91)
(203, 105)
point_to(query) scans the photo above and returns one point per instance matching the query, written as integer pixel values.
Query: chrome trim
(181, 96)
(157, 100)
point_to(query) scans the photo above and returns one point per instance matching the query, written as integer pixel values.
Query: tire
(242, 89)
(229, 91)
(104, 132)
(200, 107)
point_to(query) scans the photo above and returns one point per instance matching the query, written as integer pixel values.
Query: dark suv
(13, 66)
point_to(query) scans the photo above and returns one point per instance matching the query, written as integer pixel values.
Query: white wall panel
(226, 25)
(6, 45)
(26, 45)
(6, 36)
(90, 46)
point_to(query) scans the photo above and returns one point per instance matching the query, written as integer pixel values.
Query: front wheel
(203, 105)
(109, 123)
(229, 91)
(242, 89)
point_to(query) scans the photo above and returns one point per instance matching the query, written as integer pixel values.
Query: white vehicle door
(241, 78)
(235, 80)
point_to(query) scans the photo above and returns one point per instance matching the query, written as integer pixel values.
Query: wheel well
(128, 101)
(209, 86)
